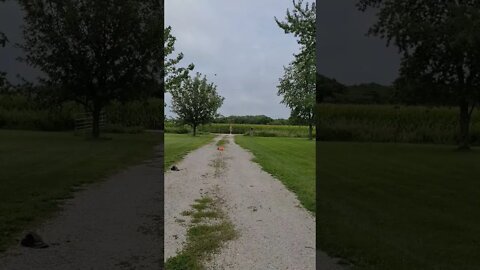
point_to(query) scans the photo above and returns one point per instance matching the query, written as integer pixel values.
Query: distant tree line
(333, 91)
(251, 119)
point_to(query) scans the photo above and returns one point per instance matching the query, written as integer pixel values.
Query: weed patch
(204, 237)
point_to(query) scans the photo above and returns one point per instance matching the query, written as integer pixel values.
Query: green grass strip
(178, 146)
(208, 231)
(290, 160)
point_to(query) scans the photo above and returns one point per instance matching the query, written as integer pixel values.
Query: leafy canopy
(298, 84)
(439, 42)
(440, 46)
(94, 52)
(297, 88)
(173, 74)
(196, 101)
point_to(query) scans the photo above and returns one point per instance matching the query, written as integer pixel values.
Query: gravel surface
(275, 232)
(115, 224)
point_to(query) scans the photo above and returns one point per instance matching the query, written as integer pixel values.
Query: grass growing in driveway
(179, 145)
(222, 141)
(37, 169)
(208, 231)
(291, 160)
(387, 206)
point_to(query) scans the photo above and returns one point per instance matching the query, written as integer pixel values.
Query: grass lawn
(38, 169)
(387, 206)
(178, 145)
(291, 160)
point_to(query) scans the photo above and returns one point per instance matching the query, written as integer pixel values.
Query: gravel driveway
(275, 232)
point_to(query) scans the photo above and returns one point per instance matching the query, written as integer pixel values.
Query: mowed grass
(388, 206)
(291, 160)
(179, 145)
(39, 169)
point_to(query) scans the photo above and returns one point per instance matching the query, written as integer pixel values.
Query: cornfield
(390, 123)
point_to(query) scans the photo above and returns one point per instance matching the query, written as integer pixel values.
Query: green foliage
(256, 130)
(327, 88)
(298, 88)
(93, 52)
(141, 113)
(301, 23)
(18, 111)
(440, 44)
(173, 74)
(391, 123)
(244, 119)
(196, 101)
(298, 84)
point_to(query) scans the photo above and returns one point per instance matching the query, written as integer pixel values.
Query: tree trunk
(464, 138)
(310, 131)
(194, 130)
(96, 122)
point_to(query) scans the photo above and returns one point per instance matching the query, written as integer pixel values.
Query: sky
(345, 53)
(11, 19)
(240, 42)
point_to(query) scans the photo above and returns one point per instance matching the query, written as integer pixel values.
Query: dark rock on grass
(174, 168)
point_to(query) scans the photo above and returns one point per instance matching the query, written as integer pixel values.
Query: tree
(173, 74)
(298, 91)
(3, 80)
(196, 101)
(94, 52)
(298, 84)
(301, 23)
(440, 46)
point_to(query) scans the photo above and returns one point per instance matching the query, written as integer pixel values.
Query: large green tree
(95, 52)
(297, 88)
(298, 84)
(196, 101)
(440, 46)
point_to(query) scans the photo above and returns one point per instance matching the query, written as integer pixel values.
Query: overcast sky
(11, 19)
(241, 43)
(345, 53)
